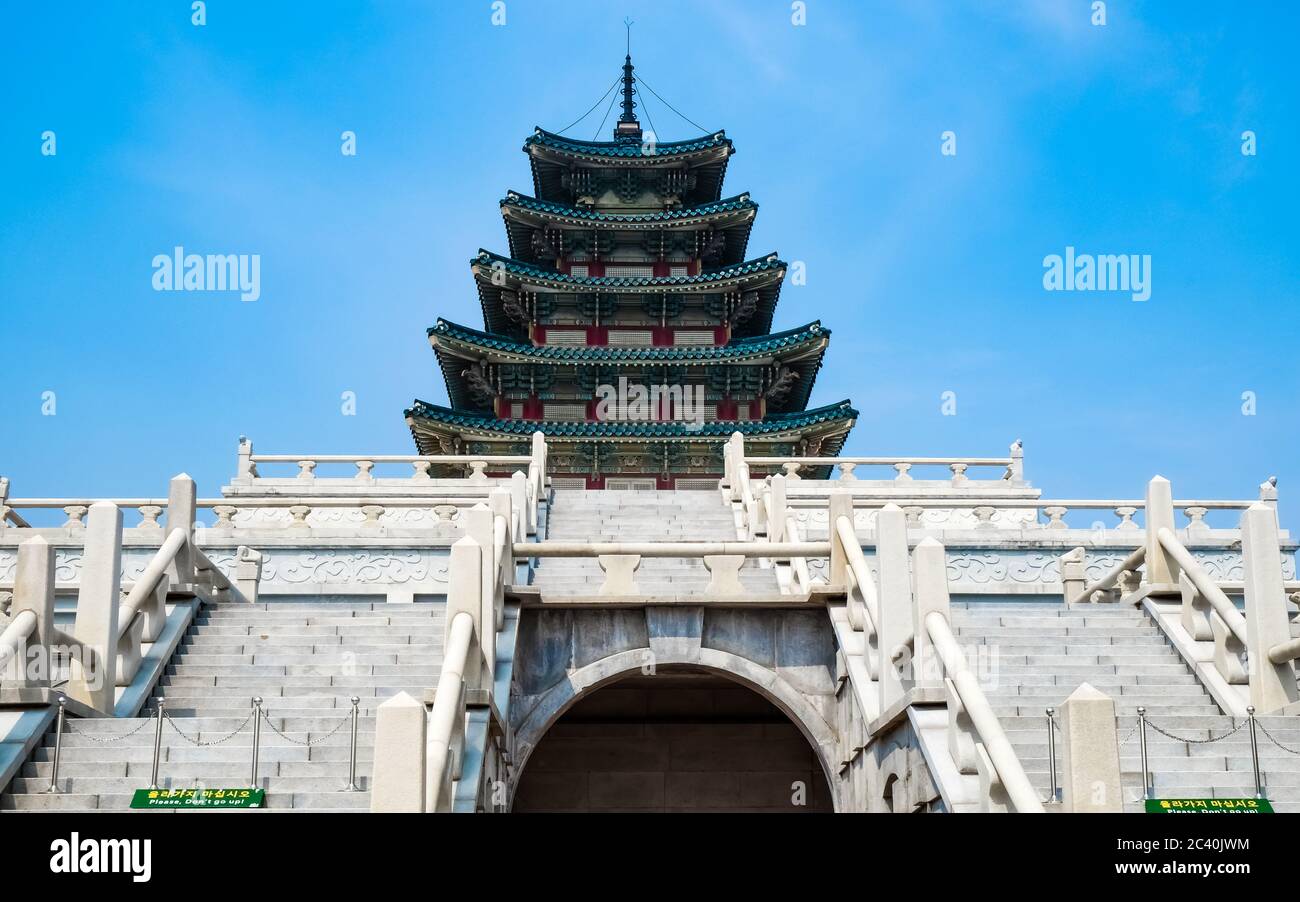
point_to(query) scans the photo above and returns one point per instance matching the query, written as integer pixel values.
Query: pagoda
(629, 323)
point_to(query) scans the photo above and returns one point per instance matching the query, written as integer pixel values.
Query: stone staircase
(1033, 655)
(306, 661)
(642, 516)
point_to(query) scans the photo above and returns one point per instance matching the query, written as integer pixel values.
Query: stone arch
(586, 680)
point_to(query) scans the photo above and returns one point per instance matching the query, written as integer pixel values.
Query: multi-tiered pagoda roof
(627, 267)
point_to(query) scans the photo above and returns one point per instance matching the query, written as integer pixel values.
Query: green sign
(1208, 806)
(198, 798)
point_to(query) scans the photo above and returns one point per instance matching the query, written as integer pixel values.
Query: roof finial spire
(627, 127)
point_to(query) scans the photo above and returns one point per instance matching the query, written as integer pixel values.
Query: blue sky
(225, 138)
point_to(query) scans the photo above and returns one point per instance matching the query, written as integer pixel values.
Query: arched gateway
(657, 716)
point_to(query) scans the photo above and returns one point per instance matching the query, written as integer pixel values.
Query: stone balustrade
(1011, 468)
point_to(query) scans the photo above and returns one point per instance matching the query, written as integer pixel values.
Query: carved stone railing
(362, 477)
(1011, 467)
(106, 643)
(421, 763)
(1243, 658)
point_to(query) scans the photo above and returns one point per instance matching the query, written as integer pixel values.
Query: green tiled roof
(740, 347)
(739, 202)
(625, 148)
(519, 267)
(775, 423)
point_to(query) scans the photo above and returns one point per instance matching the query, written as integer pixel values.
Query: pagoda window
(635, 271)
(631, 337)
(579, 271)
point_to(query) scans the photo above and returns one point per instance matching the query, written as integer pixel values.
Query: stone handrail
(15, 635)
(1108, 581)
(859, 575)
(1024, 798)
(420, 761)
(109, 631)
(1242, 658)
(1205, 584)
(446, 740)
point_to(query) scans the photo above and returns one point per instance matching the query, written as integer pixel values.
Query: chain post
(58, 746)
(257, 737)
(157, 743)
(352, 754)
(1254, 752)
(1142, 735)
(1051, 755)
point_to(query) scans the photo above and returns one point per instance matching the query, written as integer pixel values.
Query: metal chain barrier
(347, 718)
(255, 716)
(1273, 739)
(1168, 735)
(198, 742)
(104, 740)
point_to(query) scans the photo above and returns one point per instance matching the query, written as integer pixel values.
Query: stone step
(229, 753)
(336, 661)
(343, 685)
(189, 668)
(275, 694)
(332, 782)
(314, 723)
(122, 801)
(1107, 682)
(205, 630)
(253, 645)
(1153, 710)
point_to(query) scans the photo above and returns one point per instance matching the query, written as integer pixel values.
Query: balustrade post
(480, 526)
(1074, 575)
(400, 755)
(777, 509)
(34, 591)
(1162, 569)
(737, 446)
(840, 505)
(519, 503)
(1090, 753)
(1016, 469)
(540, 456)
(94, 670)
(245, 470)
(1268, 493)
(248, 572)
(1272, 686)
(182, 510)
(930, 581)
(894, 631)
(465, 594)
